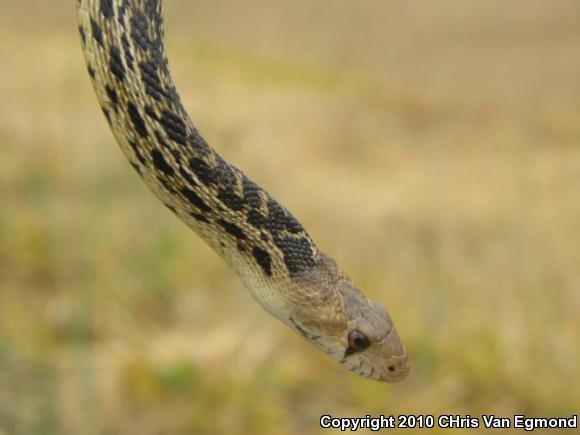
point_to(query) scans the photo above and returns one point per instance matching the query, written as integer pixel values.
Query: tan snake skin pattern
(261, 241)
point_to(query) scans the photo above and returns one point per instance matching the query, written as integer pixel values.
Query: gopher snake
(260, 240)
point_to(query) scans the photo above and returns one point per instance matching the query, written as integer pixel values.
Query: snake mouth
(394, 369)
(385, 361)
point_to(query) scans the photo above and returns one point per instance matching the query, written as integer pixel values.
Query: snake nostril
(391, 368)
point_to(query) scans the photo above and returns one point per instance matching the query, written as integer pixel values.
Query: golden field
(431, 147)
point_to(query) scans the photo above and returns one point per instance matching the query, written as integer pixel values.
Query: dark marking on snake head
(137, 120)
(263, 259)
(160, 163)
(303, 331)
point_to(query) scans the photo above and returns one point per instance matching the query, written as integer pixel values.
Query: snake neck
(125, 56)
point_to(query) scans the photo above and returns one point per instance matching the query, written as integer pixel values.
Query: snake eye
(357, 341)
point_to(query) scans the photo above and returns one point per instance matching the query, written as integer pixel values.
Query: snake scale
(259, 239)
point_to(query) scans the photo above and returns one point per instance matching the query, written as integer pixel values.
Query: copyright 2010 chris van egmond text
(382, 422)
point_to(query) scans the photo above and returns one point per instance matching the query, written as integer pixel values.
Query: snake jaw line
(261, 241)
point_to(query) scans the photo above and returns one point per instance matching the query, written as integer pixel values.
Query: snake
(259, 239)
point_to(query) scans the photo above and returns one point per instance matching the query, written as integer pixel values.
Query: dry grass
(430, 147)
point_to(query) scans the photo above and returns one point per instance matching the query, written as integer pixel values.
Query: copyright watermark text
(382, 422)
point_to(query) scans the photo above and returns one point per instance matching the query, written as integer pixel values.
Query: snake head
(337, 318)
(372, 347)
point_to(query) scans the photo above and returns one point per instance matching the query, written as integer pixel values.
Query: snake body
(260, 240)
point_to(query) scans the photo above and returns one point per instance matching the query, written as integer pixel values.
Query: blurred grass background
(432, 148)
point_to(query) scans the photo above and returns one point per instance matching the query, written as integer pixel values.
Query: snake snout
(396, 366)
(397, 369)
